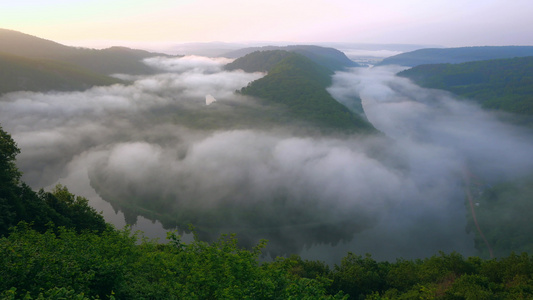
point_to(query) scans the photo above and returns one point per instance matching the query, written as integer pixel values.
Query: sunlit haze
(439, 22)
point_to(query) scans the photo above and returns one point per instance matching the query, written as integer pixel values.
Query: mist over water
(439, 138)
(399, 194)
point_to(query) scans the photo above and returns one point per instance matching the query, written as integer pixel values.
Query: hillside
(300, 84)
(39, 75)
(456, 55)
(330, 58)
(106, 61)
(258, 61)
(503, 84)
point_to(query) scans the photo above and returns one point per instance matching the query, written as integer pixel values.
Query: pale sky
(437, 22)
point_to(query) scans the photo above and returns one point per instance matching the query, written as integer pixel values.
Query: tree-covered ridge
(107, 61)
(300, 84)
(61, 264)
(38, 75)
(330, 58)
(456, 55)
(503, 84)
(118, 264)
(258, 61)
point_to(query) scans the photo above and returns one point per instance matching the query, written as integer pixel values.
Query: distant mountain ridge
(39, 75)
(330, 58)
(456, 55)
(29, 63)
(107, 61)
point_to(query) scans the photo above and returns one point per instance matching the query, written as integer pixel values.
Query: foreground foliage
(62, 263)
(112, 263)
(19, 202)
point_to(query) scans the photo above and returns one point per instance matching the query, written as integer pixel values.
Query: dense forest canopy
(258, 61)
(330, 58)
(501, 84)
(300, 84)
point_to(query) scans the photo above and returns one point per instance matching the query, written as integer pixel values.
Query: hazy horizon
(147, 24)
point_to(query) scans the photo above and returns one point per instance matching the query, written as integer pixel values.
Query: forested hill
(300, 84)
(39, 75)
(106, 61)
(504, 84)
(330, 58)
(258, 61)
(456, 55)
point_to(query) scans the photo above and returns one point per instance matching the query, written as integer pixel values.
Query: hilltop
(299, 83)
(502, 84)
(330, 58)
(456, 55)
(40, 75)
(106, 61)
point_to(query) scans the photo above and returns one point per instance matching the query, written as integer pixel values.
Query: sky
(437, 22)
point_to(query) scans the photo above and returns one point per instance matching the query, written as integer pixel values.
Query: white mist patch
(358, 53)
(51, 128)
(188, 63)
(209, 99)
(409, 113)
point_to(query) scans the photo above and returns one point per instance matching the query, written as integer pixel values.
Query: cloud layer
(399, 194)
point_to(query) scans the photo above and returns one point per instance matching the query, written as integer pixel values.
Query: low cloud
(399, 194)
(188, 63)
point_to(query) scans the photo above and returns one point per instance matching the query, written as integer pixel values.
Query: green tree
(9, 180)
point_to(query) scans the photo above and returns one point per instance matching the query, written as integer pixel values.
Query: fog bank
(399, 194)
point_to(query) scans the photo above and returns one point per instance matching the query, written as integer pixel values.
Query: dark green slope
(456, 55)
(106, 61)
(300, 85)
(330, 58)
(258, 61)
(503, 84)
(112, 60)
(24, 74)
(19, 203)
